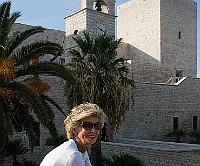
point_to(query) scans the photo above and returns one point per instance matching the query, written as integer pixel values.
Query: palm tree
(22, 93)
(101, 78)
(14, 148)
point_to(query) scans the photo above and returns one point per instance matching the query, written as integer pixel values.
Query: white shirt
(67, 154)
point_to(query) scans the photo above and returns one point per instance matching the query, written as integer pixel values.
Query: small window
(194, 122)
(175, 123)
(179, 35)
(179, 75)
(62, 61)
(75, 32)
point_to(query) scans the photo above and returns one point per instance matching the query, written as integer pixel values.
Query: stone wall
(160, 33)
(51, 35)
(178, 40)
(155, 105)
(155, 153)
(141, 26)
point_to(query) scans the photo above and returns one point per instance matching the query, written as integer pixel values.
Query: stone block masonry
(155, 105)
(155, 153)
(163, 32)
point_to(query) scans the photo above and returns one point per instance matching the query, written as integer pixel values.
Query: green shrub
(124, 160)
(105, 161)
(195, 136)
(177, 134)
(14, 148)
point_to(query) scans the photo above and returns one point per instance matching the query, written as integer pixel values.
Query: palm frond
(16, 38)
(47, 98)
(37, 49)
(13, 17)
(21, 118)
(43, 113)
(73, 93)
(85, 43)
(6, 21)
(5, 12)
(24, 121)
(7, 108)
(36, 85)
(15, 147)
(49, 68)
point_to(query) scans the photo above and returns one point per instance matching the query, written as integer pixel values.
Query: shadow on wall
(144, 68)
(138, 57)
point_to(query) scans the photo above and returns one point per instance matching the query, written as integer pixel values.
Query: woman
(83, 126)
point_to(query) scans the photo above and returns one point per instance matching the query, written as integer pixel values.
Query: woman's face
(86, 136)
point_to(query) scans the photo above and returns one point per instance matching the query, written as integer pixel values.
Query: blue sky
(47, 13)
(50, 14)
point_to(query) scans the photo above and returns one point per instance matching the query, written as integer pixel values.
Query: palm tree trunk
(96, 153)
(110, 134)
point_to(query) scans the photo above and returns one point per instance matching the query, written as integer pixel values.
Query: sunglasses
(89, 125)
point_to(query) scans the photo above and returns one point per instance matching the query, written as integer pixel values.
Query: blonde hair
(81, 112)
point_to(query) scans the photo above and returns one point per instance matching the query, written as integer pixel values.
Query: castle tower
(162, 33)
(95, 17)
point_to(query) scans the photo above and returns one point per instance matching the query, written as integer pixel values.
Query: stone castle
(160, 39)
(160, 45)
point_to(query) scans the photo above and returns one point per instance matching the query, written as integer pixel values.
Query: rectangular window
(179, 74)
(62, 61)
(175, 123)
(179, 35)
(194, 122)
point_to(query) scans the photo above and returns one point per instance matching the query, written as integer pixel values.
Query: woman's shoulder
(70, 146)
